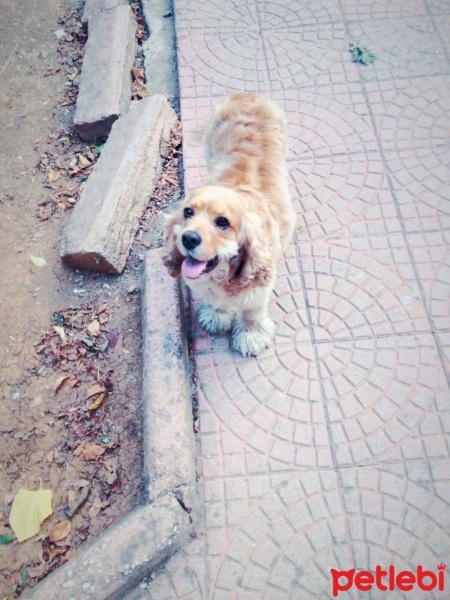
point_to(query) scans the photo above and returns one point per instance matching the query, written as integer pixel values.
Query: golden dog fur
(231, 232)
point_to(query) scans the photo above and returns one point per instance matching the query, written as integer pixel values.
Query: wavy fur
(245, 147)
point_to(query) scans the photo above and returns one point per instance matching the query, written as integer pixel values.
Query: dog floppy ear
(256, 256)
(171, 256)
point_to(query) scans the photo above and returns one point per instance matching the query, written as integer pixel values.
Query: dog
(227, 236)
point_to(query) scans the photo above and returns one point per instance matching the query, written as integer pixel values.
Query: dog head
(214, 234)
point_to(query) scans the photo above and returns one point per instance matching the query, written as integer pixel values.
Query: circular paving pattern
(343, 195)
(271, 404)
(292, 536)
(406, 47)
(379, 393)
(193, 15)
(421, 186)
(310, 56)
(367, 10)
(320, 126)
(233, 60)
(361, 288)
(431, 256)
(411, 113)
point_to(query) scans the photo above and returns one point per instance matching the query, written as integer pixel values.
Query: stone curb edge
(134, 546)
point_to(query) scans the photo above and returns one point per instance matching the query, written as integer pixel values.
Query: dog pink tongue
(192, 268)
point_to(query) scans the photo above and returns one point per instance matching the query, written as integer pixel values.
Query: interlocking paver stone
(410, 113)
(330, 450)
(430, 253)
(367, 10)
(421, 187)
(362, 287)
(438, 7)
(343, 195)
(381, 396)
(404, 47)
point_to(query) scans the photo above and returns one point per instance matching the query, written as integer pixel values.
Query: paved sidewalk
(332, 449)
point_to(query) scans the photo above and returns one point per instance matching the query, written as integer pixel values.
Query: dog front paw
(214, 321)
(251, 342)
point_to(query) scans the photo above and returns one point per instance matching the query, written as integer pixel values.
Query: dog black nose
(191, 240)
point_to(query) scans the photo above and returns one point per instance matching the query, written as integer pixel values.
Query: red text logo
(388, 580)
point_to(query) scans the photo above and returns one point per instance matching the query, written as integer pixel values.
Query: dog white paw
(213, 320)
(251, 342)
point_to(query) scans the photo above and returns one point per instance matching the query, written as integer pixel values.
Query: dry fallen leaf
(29, 509)
(78, 501)
(139, 89)
(83, 161)
(89, 451)
(96, 388)
(61, 332)
(53, 176)
(81, 483)
(111, 476)
(96, 507)
(71, 496)
(60, 382)
(38, 261)
(98, 402)
(60, 531)
(137, 73)
(68, 555)
(37, 570)
(94, 328)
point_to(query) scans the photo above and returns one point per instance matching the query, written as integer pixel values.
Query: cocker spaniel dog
(227, 236)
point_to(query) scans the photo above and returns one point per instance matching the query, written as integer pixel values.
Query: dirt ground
(69, 340)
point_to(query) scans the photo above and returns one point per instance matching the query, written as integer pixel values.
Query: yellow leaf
(97, 402)
(29, 510)
(83, 161)
(60, 531)
(53, 176)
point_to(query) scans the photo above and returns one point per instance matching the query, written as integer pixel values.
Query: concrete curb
(160, 53)
(133, 547)
(105, 81)
(103, 224)
(169, 445)
(93, 7)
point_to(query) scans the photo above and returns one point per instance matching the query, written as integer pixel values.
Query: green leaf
(6, 539)
(361, 55)
(104, 439)
(100, 148)
(24, 574)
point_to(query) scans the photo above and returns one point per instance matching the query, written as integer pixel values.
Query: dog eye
(188, 212)
(222, 222)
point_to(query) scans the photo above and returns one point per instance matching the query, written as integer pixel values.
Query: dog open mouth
(193, 268)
